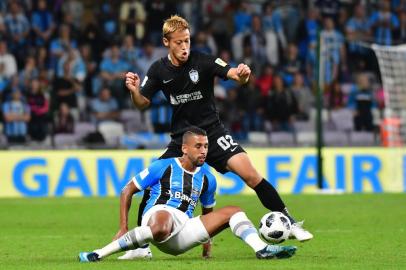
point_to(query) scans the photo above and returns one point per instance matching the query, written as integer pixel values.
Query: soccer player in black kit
(187, 80)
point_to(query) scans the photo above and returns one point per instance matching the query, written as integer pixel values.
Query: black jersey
(188, 88)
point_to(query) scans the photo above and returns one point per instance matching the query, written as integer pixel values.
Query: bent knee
(161, 232)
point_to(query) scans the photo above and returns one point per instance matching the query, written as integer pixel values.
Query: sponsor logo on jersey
(184, 98)
(194, 75)
(220, 62)
(167, 81)
(182, 197)
(173, 100)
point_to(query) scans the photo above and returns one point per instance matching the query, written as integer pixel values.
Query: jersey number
(226, 142)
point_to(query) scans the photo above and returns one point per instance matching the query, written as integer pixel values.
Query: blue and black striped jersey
(174, 186)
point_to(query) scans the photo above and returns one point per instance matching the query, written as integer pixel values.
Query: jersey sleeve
(217, 66)
(207, 198)
(151, 83)
(151, 175)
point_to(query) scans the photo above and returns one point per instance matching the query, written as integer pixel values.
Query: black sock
(270, 198)
(143, 203)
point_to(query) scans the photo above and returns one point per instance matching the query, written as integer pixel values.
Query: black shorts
(221, 147)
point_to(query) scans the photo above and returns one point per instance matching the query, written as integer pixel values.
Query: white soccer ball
(274, 227)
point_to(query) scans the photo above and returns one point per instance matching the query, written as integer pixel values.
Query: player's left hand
(243, 72)
(207, 250)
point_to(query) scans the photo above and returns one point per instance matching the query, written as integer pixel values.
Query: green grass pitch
(351, 232)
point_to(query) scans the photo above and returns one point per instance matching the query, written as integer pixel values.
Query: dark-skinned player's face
(178, 44)
(195, 148)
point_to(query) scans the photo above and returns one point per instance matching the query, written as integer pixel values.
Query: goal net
(392, 65)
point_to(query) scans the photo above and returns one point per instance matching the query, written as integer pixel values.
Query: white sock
(243, 228)
(135, 238)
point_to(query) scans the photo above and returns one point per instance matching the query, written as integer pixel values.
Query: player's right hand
(132, 81)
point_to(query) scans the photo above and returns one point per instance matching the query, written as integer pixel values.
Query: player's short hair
(173, 24)
(191, 131)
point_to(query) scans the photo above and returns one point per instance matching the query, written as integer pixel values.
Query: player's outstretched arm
(241, 73)
(125, 203)
(132, 82)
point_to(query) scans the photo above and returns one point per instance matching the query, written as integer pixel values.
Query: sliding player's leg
(143, 252)
(173, 150)
(243, 228)
(241, 165)
(159, 227)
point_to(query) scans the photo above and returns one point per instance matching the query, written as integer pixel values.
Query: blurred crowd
(62, 62)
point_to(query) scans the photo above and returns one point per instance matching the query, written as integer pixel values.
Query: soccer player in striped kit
(177, 184)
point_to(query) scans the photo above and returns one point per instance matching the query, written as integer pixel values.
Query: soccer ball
(274, 227)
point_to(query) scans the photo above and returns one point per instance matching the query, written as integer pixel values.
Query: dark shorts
(221, 147)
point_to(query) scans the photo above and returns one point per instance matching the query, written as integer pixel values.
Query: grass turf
(351, 232)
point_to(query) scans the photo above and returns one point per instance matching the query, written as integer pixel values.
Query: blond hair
(173, 24)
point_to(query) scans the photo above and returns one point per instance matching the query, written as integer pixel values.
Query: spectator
(304, 97)
(362, 101)
(92, 35)
(232, 115)
(335, 96)
(210, 41)
(16, 115)
(382, 23)
(29, 73)
(161, 113)
(281, 106)
(249, 100)
(357, 29)
(60, 45)
(63, 121)
(77, 66)
(132, 19)
(264, 82)
(8, 61)
(200, 43)
(43, 24)
(107, 20)
(333, 53)
(3, 30)
(91, 69)
(291, 64)
(112, 70)
(39, 107)
(257, 41)
(402, 29)
(42, 59)
(148, 55)
(75, 9)
(130, 53)
(274, 33)
(307, 32)
(216, 11)
(66, 87)
(242, 18)
(157, 12)
(18, 28)
(104, 107)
